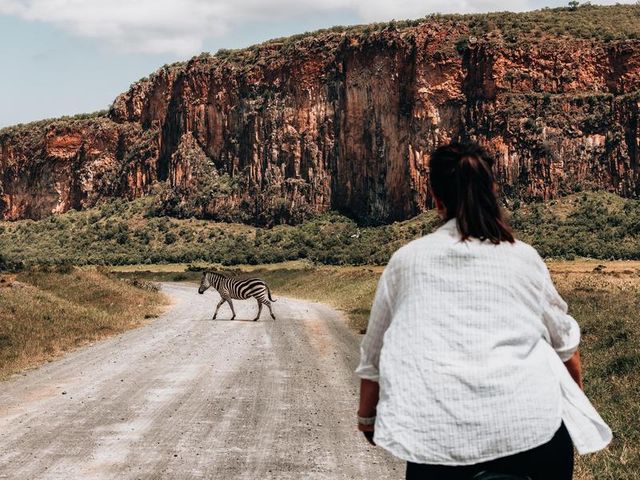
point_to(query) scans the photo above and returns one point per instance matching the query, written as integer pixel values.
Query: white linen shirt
(467, 340)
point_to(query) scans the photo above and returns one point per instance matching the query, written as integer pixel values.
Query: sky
(62, 57)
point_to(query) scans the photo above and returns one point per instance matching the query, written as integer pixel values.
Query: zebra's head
(204, 283)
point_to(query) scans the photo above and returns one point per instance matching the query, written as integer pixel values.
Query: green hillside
(594, 224)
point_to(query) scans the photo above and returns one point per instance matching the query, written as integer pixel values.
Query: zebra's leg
(232, 309)
(268, 304)
(259, 309)
(218, 307)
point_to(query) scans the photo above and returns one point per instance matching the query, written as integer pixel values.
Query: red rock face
(52, 167)
(345, 121)
(52, 173)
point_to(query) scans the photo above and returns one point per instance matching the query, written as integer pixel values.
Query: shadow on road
(234, 320)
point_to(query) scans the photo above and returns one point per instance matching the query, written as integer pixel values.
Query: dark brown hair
(461, 176)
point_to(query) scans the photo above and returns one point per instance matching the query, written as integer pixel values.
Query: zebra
(236, 288)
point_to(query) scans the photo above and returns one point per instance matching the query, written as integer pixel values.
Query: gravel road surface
(189, 397)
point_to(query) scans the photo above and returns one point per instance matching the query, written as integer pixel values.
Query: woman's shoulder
(527, 250)
(529, 256)
(410, 248)
(422, 247)
(428, 245)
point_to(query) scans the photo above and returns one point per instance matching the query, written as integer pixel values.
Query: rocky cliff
(345, 120)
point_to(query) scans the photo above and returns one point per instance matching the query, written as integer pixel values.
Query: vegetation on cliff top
(36, 127)
(585, 21)
(596, 225)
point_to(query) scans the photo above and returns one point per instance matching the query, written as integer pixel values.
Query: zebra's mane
(217, 274)
(239, 276)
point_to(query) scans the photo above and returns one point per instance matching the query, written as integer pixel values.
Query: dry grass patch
(49, 313)
(606, 305)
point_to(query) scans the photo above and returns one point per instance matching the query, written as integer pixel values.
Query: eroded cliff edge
(345, 120)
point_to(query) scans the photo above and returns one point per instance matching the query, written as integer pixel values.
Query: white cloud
(379, 10)
(180, 26)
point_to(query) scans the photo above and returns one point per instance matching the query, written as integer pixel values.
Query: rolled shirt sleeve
(379, 320)
(564, 331)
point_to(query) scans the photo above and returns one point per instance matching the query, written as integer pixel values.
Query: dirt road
(187, 397)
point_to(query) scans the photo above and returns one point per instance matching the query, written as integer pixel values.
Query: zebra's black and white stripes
(237, 289)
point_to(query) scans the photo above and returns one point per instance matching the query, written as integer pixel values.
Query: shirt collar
(450, 226)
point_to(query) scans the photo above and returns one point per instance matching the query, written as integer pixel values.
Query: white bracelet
(366, 420)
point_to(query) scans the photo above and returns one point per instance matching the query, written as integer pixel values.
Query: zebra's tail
(270, 297)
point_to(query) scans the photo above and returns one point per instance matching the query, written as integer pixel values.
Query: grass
(606, 306)
(603, 296)
(44, 314)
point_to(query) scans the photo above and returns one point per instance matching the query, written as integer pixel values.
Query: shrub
(592, 224)
(170, 238)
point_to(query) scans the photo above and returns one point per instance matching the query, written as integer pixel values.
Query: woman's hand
(575, 368)
(368, 429)
(369, 436)
(369, 393)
